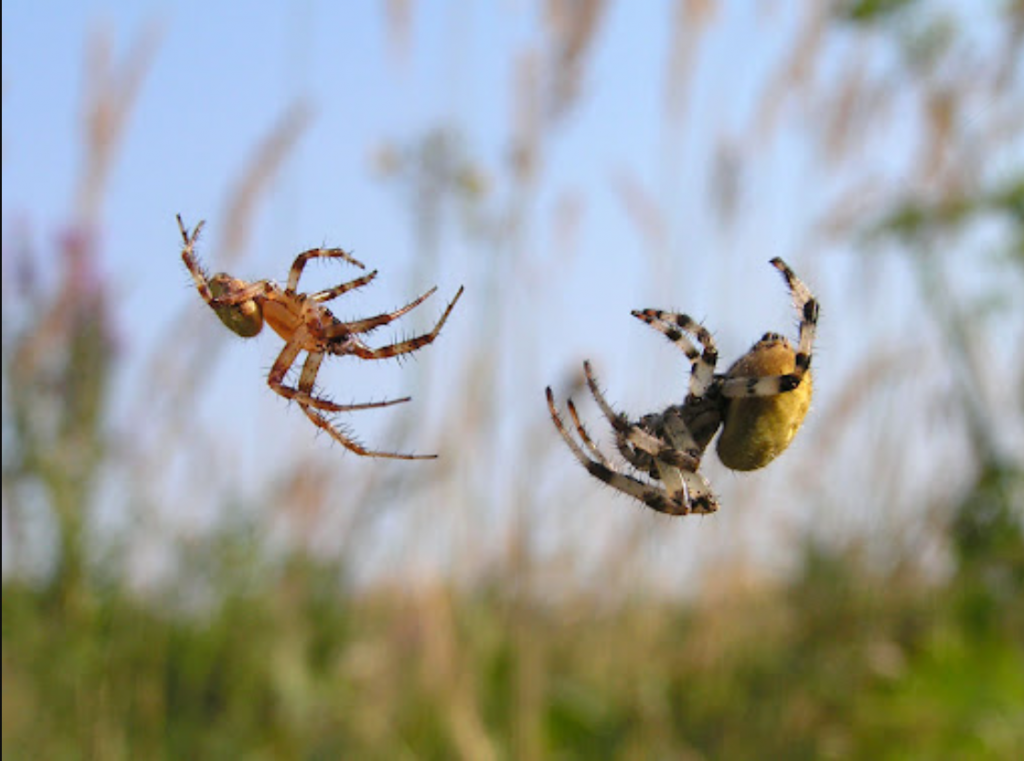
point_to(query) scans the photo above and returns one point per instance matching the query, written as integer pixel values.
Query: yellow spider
(759, 404)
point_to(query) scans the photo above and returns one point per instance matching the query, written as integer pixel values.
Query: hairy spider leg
(669, 461)
(305, 399)
(260, 288)
(668, 324)
(316, 253)
(303, 394)
(638, 447)
(372, 323)
(189, 238)
(674, 327)
(807, 306)
(652, 495)
(584, 436)
(772, 385)
(333, 293)
(402, 347)
(630, 432)
(637, 455)
(191, 261)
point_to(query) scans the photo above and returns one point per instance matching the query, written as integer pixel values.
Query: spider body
(759, 404)
(757, 429)
(245, 318)
(306, 325)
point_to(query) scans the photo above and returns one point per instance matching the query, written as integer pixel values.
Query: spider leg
(585, 437)
(640, 459)
(767, 385)
(320, 421)
(190, 238)
(303, 394)
(690, 486)
(191, 261)
(333, 293)
(656, 497)
(370, 323)
(316, 253)
(630, 433)
(650, 494)
(807, 306)
(402, 347)
(617, 420)
(236, 295)
(772, 385)
(307, 402)
(674, 327)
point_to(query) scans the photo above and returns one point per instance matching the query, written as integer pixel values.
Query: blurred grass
(837, 663)
(246, 649)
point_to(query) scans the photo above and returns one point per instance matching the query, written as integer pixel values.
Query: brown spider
(306, 325)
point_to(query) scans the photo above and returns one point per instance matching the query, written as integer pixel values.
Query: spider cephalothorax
(759, 404)
(306, 325)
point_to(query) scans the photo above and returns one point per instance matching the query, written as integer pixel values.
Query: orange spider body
(305, 325)
(285, 318)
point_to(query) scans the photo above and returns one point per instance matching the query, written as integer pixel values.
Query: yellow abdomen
(758, 429)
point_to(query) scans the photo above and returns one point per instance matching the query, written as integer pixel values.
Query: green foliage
(913, 219)
(836, 664)
(871, 11)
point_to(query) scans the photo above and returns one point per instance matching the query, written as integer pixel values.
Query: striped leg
(652, 495)
(807, 306)
(402, 347)
(333, 293)
(584, 436)
(682, 491)
(189, 257)
(772, 385)
(674, 327)
(631, 437)
(316, 253)
(307, 401)
(304, 393)
(372, 323)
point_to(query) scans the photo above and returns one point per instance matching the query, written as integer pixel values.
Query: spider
(759, 404)
(305, 324)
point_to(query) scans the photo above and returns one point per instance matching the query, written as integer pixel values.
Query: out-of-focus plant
(936, 223)
(58, 354)
(59, 342)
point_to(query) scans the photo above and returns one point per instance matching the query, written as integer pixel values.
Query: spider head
(244, 318)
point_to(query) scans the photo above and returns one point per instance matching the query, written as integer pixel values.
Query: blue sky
(221, 78)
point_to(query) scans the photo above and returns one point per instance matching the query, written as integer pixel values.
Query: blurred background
(191, 570)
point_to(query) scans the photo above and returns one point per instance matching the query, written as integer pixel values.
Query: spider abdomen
(244, 318)
(757, 429)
